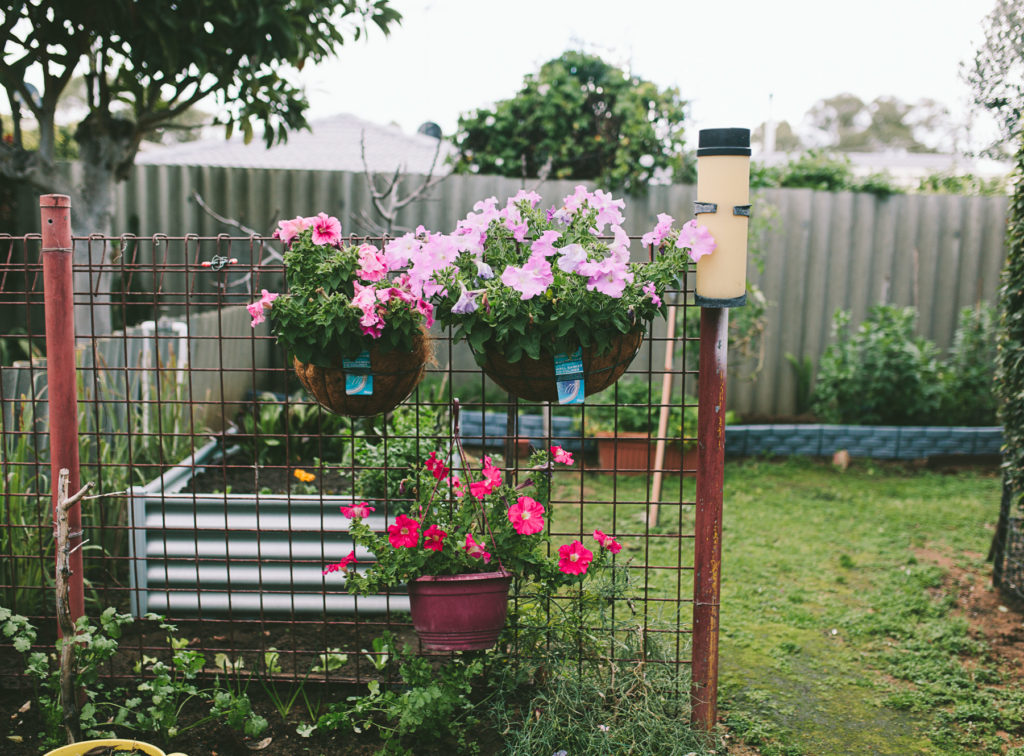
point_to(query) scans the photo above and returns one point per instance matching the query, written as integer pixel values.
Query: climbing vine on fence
(1010, 358)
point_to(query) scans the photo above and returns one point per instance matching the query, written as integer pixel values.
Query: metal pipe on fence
(707, 557)
(62, 395)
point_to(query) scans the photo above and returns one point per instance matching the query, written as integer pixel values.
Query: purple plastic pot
(459, 612)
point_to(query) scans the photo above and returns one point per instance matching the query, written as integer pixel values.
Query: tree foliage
(996, 75)
(144, 67)
(578, 118)
(846, 123)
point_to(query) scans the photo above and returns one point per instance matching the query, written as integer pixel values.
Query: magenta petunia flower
(607, 542)
(526, 516)
(326, 229)
(436, 466)
(433, 538)
(360, 510)
(405, 533)
(574, 558)
(492, 479)
(561, 456)
(341, 565)
(697, 239)
(476, 550)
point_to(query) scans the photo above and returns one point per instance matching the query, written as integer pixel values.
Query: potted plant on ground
(548, 297)
(461, 546)
(356, 329)
(625, 420)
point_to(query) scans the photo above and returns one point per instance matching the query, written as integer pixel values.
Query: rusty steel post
(62, 393)
(707, 558)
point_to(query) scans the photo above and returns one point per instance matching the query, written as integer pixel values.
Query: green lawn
(836, 635)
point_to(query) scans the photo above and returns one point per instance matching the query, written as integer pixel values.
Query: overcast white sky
(729, 58)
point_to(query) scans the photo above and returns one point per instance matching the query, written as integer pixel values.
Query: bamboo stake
(68, 665)
(666, 397)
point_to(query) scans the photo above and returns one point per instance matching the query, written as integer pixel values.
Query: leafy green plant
(282, 431)
(633, 405)
(385, 455)
(968, 392)
(879, 374)
(231, 700)
(94, 646)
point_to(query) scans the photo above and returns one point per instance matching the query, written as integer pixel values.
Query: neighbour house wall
(821, 251)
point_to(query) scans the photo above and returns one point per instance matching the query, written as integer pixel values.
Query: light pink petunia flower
(697, 239)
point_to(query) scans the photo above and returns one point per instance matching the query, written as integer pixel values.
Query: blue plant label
(569, 377)
(358, 378)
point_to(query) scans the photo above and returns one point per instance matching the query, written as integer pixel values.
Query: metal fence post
(707, 557)
(59, 295)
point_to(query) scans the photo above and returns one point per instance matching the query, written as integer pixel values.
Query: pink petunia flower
(545, 245)
(343, 565)
(357, 512)
(561, 456)
(661, 230)
(433, 538)
(650, 290)
(476, 550)
(405, 533)
(574, 558)
(572, 256)
(607, 542)
(287, 230)
(258, 308)
(526, 516)
(530, 280)
(373, 264)
(697, 239)
(326, 229)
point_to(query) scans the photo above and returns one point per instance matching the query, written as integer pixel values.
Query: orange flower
(304, 476)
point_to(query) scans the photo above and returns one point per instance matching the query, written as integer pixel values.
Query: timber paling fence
(821, 251)
(148, 411)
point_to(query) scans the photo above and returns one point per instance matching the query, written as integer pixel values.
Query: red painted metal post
(707, 558)
(62, 392)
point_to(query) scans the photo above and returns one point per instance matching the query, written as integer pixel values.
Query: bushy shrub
(879, 374)
(884, 374)
(968, 392)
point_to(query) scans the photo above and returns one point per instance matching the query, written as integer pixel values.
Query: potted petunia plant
(351, 319)
(463, 543)
(548, 299)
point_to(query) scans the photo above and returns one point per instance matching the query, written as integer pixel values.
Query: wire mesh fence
(221, 479)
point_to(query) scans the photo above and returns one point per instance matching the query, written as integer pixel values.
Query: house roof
(332, 144)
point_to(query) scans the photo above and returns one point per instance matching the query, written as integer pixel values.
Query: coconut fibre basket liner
(395, 375)
(534, 379)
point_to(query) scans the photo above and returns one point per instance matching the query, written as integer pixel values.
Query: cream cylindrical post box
(723, 206)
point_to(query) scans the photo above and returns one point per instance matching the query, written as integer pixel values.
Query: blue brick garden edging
(877, 442)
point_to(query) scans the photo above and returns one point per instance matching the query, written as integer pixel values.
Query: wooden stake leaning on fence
(68, 666)
(666, 397)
